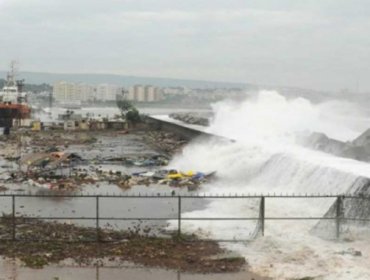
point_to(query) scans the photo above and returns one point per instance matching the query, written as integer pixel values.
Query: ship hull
(10, 112)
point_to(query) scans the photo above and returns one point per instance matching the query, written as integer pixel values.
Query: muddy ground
(67, 161)
(41, 243)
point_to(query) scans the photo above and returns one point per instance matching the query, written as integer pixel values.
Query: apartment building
(107, 92)
(142, 93)
(66, 92)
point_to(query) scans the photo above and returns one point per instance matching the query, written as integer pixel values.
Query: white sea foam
(265, 159)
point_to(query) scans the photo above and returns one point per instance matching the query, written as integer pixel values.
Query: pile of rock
(191, 118)
(166, 142)
(358, 149)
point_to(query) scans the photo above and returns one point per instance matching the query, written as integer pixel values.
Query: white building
(174, 90)
(86, 92)
(65, 92)
(130, 94)
(140, 93)
(152, 94)
(107, 92)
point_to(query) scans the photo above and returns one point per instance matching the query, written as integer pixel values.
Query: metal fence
(336, 211)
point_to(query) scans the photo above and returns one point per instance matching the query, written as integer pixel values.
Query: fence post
(97, 219)
(339, 206)
(13, 217)
(262, 215)
(179, 217)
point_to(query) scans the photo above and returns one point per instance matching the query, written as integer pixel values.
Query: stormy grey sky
(320, 44)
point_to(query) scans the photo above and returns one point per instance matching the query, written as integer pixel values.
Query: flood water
(112, 208)
(12, 270)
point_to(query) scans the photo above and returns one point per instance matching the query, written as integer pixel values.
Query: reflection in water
(11, 269)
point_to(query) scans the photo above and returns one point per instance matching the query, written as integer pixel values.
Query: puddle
(13, 270)
(110, 209)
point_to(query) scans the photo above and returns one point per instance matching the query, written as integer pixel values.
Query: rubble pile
(25, 142)
(41, 247)
(152, 160)
(56, 160)
(174, 178)
(69, 172)
(62, 184)
(165, 141)
(54, 139)
(358, 149)
(9, 152)
(50, 161)
(66, 162)
(191, 118)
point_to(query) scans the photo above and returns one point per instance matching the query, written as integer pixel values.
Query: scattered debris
(351, 251)
(51, 160)
(154, 160)
(47, 162)
(183, 253)
(175, 178)
(65, 162)
(167, 142)
(57, 138)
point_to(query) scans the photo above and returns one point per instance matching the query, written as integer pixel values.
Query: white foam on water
(265, 160)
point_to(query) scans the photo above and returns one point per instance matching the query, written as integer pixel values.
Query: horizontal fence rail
(205, 195)
(96, 216)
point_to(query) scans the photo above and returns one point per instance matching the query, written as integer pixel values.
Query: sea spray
(271, 116)
(265, 159)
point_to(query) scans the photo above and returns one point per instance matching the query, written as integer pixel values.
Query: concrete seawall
(184, 132)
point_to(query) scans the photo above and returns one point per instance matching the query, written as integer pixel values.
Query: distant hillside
(94, 79)
(36, 81)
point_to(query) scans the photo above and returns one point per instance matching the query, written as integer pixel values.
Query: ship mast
(13, 102)
(11, 81)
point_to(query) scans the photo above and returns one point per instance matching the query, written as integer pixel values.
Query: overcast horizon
(321, 44)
